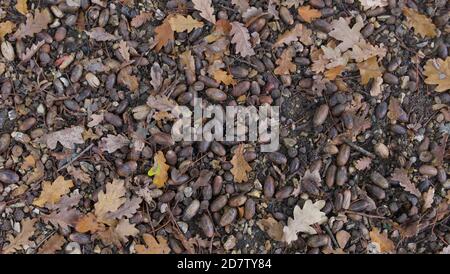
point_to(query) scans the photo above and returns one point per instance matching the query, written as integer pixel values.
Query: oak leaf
(341, 31)
(180, 23)
(52, 192)
(363, 163)
(332, 73)
(152, 245)
(22, 239)
(163, 35)
(401, 175)
(224, 77)
(31, 51)
(110, 200)
(369, 69)
(371, 4)
(156, 76)
(126, 210)
(272, 227)
(99, 34)
(299, 32)
(5, 28)
(362, 51)
(21, 6)
(140, 19)
(385, 244)
(241, 39)
(395, 110)
(112, 143)
(240, 165)
(206, 9)
(308, 14)
(242, 5)
(88, 223)
(303, 219)
(159, 170)
(285, 65)
(188, 62)
(124, 50)
(124, 229)
(437, 72)
(428, 198)
(67, 137)
(125, 78)
(161, 102)
(422, 25)
(34, 24)
(52, 245)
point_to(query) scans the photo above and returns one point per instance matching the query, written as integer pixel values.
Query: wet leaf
(240, 166)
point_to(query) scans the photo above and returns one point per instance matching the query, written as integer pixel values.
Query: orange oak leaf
(369, 69)
(163, 35)
(153, 245)
(422, 25)
(308, 14)
(385, 244)
(52, 192)
(285, 65)
(240, 165)
(437, 72)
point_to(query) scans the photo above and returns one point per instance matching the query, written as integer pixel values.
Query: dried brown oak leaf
(88, 223)
(161, 102)
(385, 244)
(34, 24)
(363, 163)
(125, 78)
(285, 65)
(52, 192)
(240, 165)
(159, 170)
(371, 4)
(242, 5)
(31, 51)
(241, 39)
(224, 77)
(187, 60)
(272, 227)
(395, 110)
(152, 245)
(422, 25)
(308, 14)
(163, 35)
(180, 23)
(110, 200)
(206, 9)
(303, 219)
(126, 210)
(21, 6)
(437, 72)
(299, 32)
(112, 143)
(22, 239)
(140, 19)
(124, 229)
(401, 175)
(428, 198)
(124, 50)
(5, 28)
(369, 69)
(52, 245)
(362, 51)
(341, 31)
(67, 137)
(96, 119)
(156, 76)
(99, 34)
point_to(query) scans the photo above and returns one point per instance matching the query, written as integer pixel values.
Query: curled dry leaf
(22, 239)
(152, 245)
(206, 9)
(52, 192)
(180, 23)
(437, 72)
(34, 24)
(140, 19)
(241, 39)
(159, 170)
(308, 14)
(285, 65)
(401, 175)
(112, 143)
(67, 137)
(422, 25)
(303, 219)
(240, 166)
(156, 76)
(428, 199)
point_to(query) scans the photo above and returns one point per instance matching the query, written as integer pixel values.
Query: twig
(333, 239)
(76, 157)
(365, 215)
(360, 149)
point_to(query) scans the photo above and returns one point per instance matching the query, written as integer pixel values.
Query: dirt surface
(88, 163)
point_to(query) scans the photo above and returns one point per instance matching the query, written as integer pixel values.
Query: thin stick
(360, 149)
(365, 215)
(76, 157)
